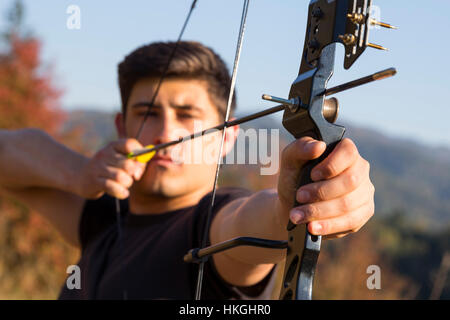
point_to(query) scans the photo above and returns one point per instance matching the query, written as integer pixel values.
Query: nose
(166, 129)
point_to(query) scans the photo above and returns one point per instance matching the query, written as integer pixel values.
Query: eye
(186, 116)
(148, 113)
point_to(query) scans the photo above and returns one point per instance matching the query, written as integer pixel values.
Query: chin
(157, 186)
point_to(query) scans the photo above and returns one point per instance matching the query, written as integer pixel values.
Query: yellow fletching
(144, 158)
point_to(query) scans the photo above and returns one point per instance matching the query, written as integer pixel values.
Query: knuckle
(352, 181)
(128, 182)
(330, 170)
(371, 209)
(358, 222)
(349, 150)
(353, 222)
(320, 192)
(119, 175)
(366, 165)
(108, 185)
(311, 211)
(372, 189)
(355, 230)
(346, 203)
(129, 145)
(349, 146)
(123, 178)
(128, 166)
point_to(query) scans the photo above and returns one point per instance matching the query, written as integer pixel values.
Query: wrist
(282, 216)
(74, 179)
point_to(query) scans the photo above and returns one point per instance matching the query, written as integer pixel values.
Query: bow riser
(329, 22)
(304, 248)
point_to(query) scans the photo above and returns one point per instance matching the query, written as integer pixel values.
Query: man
(164, 203)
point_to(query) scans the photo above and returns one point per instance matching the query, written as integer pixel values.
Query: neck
(141, 203)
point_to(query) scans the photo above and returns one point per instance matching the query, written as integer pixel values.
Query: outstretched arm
(338, 202)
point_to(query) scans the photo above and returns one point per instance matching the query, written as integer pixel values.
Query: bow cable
(227, 115)
(161, 79)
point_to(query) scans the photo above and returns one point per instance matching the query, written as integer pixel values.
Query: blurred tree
(27, 95)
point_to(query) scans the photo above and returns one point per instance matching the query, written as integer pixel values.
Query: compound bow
(306, 113)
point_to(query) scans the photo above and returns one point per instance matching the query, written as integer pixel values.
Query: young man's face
(182, 106)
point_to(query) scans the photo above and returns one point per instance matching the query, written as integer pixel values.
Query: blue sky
(413, 104)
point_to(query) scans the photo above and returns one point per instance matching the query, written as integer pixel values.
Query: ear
(120, 125)
(231, 135)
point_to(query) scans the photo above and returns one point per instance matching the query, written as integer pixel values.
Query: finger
(132, 167)
(349, 223)
(336, 187)
(125, 146)
(297, 153)
(342, 157)
(118, 176)
(114, 189)
(331, 208)
(335, 236)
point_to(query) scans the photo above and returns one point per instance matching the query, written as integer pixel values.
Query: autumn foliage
(27, 96)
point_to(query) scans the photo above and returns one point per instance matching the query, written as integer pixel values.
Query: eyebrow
(180, 107)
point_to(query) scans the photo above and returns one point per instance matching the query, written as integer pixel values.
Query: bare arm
(255, 216)
(338, 202)
(42, 173)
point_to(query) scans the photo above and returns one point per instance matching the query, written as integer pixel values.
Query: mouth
(162, 160)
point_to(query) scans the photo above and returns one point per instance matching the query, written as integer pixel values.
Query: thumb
(300, 151)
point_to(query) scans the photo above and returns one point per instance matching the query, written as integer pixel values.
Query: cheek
(211, 147)
(131, 126)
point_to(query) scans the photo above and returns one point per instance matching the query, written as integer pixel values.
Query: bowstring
(198, 290)
(161, 79)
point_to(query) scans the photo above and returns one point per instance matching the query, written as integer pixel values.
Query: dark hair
(192, 60)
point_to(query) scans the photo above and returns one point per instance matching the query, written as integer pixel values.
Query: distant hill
(408, 176)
